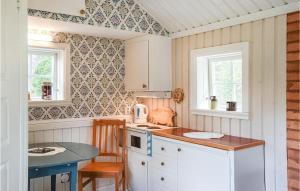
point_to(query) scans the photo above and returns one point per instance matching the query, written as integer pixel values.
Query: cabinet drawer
(160, 179)
(159, 188)
(165, 148)
(165, 164)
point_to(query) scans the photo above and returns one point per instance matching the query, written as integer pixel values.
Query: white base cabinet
(181, 166)
(203, 169)
(137, 171)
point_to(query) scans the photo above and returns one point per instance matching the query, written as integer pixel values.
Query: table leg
(73, 178)
(28, 184)
(53, 182)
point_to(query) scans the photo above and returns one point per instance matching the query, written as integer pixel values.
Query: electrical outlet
(65, 177)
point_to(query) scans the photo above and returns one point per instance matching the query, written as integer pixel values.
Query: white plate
(203, 135)
(56, 151)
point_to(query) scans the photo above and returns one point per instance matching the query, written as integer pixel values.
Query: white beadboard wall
(267, 90)
(66, 130)
(267, 39)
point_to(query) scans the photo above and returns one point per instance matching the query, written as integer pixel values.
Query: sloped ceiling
(180, 15)
(121, 15)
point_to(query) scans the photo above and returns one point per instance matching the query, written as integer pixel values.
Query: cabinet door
(137, 171)
(203, 169)
(136, 65)
(160, 64)
(70, 7)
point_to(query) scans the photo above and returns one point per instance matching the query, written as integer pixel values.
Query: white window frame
(199, 73)
(64, 49)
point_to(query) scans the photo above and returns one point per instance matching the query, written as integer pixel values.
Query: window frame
(63, 50)
(199, 72)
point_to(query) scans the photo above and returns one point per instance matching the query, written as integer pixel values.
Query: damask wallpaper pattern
(97, 79)
(117, 14)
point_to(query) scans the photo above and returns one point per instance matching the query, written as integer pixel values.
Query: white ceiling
(180, 15)
(59, 26)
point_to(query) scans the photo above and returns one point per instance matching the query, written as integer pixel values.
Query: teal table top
(75, 152)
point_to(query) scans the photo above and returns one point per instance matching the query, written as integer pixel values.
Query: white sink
(203, 135)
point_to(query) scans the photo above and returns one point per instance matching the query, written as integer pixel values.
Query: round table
(40, 166)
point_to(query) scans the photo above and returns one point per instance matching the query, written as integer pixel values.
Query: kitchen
(209, 91)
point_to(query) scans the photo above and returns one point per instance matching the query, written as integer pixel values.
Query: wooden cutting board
(163, 116)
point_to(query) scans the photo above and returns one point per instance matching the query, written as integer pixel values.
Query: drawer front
(160, 179)
(159, 188)
(164, 163)
(165, 148)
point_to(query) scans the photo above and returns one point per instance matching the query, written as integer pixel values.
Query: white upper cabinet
(148, 64)
(136, 65)
(69, 7)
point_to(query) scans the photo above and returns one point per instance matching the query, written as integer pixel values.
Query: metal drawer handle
(143, 163)
(36, 169)
(144, 86)
(162, 178)
(162, 163)
(179, 149)
(162, 148)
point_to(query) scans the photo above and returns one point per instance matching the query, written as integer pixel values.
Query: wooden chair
(106, 136)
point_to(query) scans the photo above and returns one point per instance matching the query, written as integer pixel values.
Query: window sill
(49, 102)
(221, 113)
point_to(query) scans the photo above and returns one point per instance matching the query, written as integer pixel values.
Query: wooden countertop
(225, 143)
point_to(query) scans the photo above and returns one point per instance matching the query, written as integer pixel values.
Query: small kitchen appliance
(140, 113)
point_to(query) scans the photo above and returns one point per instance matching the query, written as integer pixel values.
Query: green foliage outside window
(42, 71)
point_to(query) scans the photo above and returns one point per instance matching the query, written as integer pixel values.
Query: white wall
(267, 40)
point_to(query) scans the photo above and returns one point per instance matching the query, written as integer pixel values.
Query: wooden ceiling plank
(201, 18)
(235, 7)
(159, 13)
(249, 5)
(262, 4)
(205, 10)
(225, 15)
(227, 10)
(174, 17)
(219, 15)
(171, 5)
(284, 9)
(275, 3)
(291, 1)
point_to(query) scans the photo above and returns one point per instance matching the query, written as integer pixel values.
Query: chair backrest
(108, 136)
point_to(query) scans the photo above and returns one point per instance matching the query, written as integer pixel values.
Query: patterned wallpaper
(117, 14)
(97, 74)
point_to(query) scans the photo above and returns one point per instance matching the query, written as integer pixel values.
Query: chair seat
(103, 167)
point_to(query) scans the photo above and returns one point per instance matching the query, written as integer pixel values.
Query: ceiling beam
(284, 9)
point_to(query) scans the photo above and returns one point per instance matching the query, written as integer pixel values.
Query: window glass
(225, 79)
(42, 65)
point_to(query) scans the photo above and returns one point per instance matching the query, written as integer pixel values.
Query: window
(48, 62)
(222, 72)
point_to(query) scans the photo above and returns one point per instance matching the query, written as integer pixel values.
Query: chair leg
(123, 181)
(94, 184)
(80, 182)
(116, 182)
